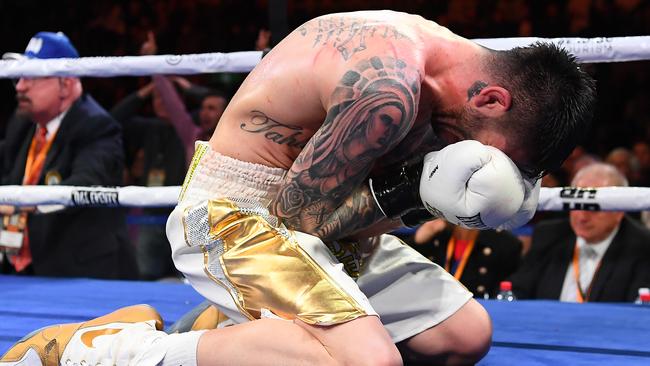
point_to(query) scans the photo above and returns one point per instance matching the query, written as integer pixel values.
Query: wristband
(397, 190)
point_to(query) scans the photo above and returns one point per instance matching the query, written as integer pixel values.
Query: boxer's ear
(492, 101)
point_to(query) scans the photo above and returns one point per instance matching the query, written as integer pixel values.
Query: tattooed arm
(323, 192)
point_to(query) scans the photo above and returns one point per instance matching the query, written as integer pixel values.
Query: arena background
(526, 332)
(116, 28)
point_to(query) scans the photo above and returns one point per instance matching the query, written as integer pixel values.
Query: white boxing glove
(467, 183)
(476, 186)
(527, 209)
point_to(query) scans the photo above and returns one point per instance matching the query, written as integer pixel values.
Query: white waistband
(213, 175)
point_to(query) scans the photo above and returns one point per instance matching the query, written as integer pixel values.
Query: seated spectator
(642, 152)
(153, 140)
(581, 162)
(479, 259)
(155, 157)
(162, 146)
(212, 107)
(593, 256)
(213, 103)
(61, 136)
(626, 162)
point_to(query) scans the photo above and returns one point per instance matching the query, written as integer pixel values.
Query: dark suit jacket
(161, 145)
(624, 267)
(496, 256)
(87, 150)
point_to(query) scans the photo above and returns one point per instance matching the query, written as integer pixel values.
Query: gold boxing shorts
(249, 265)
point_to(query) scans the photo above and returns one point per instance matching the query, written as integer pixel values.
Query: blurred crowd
(195, 26)
(161, 117)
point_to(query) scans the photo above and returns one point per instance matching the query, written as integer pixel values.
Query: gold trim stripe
(201, 149)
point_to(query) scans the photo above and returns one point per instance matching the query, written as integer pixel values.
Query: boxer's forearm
(324, 193)
(383, 226)
(318, 218)
(357, 213)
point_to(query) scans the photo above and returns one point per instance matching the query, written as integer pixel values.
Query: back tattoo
(347, 35)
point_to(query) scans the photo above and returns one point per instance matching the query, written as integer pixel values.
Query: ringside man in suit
(61, 136)
(479, 259)
(593, 256)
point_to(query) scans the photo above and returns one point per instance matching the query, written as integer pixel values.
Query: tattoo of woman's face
(373, 108)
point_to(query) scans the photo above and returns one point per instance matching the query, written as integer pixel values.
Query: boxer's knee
(382, 357)
(462, 339)
(375, 352)
(475, 337)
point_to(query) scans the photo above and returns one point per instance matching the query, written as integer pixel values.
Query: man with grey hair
(592, 256)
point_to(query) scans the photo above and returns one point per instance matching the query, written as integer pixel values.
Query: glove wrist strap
(417, 217)
(397, 191)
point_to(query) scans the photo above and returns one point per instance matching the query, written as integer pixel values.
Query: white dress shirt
(588, 264)
(53, 125)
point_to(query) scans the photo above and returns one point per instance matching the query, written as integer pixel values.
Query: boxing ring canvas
(525, 332)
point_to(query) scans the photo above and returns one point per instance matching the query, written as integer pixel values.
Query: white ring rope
(51, 198)
(587, 50)
(628, 199)
(132, 65)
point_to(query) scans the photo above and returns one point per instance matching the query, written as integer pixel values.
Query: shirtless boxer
(278, 217)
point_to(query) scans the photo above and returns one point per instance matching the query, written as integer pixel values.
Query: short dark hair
(553, 101)
(216, 94)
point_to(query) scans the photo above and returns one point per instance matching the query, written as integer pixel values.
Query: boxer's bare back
(339, 96)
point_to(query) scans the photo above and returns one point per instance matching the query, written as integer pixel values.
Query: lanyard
(582, 296)
(463, 261)
(35, 163)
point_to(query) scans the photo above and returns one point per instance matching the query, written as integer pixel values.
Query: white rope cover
(587, 50)
(130, 196)
(132, 65)
(594, 199)
(550, 199)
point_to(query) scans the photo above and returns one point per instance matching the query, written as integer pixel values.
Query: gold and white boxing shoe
(117, 338)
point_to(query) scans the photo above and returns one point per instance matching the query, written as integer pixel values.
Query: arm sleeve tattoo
(374, 107)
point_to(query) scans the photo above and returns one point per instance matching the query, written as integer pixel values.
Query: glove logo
(473, 222)
(433, 172)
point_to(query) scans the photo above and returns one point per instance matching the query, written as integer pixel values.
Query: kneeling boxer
(280, 216)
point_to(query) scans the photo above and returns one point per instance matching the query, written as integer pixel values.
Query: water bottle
(644, 296)
(505, 292)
